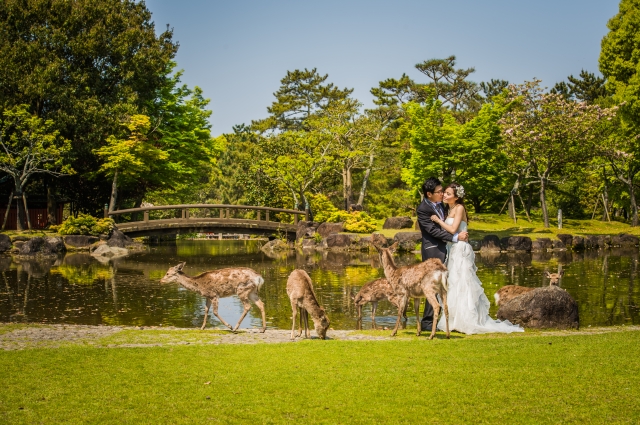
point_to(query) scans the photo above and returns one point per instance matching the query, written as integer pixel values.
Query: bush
(85, 224)
(322, 208)
(356, 222)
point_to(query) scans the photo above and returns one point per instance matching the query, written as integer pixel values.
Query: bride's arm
(453, 227)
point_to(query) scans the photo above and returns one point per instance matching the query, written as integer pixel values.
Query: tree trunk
(605, 196)
(543, 203)
(634, 206)
(346, 187)
(20, 210)
(530, 200)
(365, 181)
(114, 192)
(52, 207)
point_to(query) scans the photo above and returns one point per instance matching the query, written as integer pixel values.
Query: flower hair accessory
(460, 191)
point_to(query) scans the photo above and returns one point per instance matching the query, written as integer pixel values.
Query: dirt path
(20, 337)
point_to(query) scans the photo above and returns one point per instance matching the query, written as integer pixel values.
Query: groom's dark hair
(430, 185)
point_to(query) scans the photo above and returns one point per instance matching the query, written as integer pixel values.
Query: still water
(77, 289)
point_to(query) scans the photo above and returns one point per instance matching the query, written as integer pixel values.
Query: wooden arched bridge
(216, 219)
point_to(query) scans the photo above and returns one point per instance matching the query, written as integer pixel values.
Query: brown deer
(422, 280)
(213, 285)
(301, 295)
(509, 292)
(374, 292)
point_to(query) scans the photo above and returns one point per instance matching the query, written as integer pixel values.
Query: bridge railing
(224, 211)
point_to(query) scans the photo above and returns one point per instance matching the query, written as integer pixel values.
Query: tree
(547, 133)
(301, 95)
(84, 65)
(585, 88)
(30, 145)
(493, 87)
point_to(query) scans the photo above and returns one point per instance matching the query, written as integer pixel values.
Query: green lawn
(481, 225)
(532, 378)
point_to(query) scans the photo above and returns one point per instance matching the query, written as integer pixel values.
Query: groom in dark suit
(434, 237)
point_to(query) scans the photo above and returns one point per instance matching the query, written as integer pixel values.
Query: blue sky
(238, 50)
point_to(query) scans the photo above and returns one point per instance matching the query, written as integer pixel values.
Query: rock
(107, 251)
(475, 244)
(624, 240)
(308, 243)
(16, 246)
(43, 246)
(490, 243)
(20, 238)
(577, 243)
(592, 242)
(338, 241)
(604, 241)
(380, 240)
(54, 245)
(326, 229)
(118, 239)
(80, 241)
(275, 247)
(558, 245)
(398, 223)
(407, 240)
(548, 307)
(364, 243)
(567, 240)
(541, 244)
(5, 243)
(516, 243)
(306, 229)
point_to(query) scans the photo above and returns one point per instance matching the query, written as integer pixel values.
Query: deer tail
(444, 279)
(258, 281)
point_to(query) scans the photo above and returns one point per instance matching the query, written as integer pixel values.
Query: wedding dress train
(468, 305)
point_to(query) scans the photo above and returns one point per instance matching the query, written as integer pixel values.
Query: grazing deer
(509, 292)
(213, 285)
(374, 292)
(422, 280)
(301, 295)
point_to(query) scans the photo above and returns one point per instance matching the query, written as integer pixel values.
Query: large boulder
(516, 243)
(80, 241)
(604, 241)
(558, 245)
(541, 245)
(274, 247)
(119, 239)
(43, 246)
(306, 229)
(592, 242)
(577, 243)
(398, 223)
(624, 240)
(339, 241)
(548, 307)
(566, 239)
(5, 243)
(326, 229)
(490, 243)
(104, 252)
(407, 240)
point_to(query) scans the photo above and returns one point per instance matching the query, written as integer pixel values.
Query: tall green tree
(30, 146)
(84, 64)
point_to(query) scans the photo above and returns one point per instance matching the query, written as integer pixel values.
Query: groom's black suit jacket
(434, 237)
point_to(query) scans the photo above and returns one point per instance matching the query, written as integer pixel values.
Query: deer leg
(436, 312)
(403, 305)
(206, 313)
(258, 302)
(359, 312)
(374, 307)
(416, 308)
(214, 303)
(293, 325)
(247, 307)
(301, 324)
(306, 323)
(446, 311)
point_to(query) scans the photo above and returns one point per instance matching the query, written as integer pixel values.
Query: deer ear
(393, 247)
(180, 266)
(547, 274)
(561, 272)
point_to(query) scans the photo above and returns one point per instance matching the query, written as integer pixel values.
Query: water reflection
(78, 289)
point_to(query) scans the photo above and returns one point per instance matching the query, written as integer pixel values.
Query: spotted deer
(302, 296)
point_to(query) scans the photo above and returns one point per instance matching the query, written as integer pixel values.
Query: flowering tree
(545, 133)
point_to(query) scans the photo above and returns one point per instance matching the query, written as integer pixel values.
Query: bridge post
(267, 216)
(306, 215)
(182, 213)
(295, 219)
(146, 216)
(221, 213)
(228, 216)
(186, 213)
(258, 215)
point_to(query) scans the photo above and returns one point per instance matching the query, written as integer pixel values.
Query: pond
(77, 289)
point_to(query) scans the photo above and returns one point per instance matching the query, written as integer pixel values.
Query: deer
(213, 285)
(422, 280)
(509, 292)
(301, 295)
(374, 292)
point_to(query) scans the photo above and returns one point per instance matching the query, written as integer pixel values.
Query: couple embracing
(443, 219)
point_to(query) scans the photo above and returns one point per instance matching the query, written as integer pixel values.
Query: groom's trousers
(434, 252)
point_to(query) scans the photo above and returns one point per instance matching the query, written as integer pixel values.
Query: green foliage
(321, 207)
(355, 222)
(85, 224)
(317, 237)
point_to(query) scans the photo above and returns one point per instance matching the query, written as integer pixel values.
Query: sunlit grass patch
(161, 337)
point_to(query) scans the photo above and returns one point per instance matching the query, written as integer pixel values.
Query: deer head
(554, 278)
(173, 273)
(322, 325)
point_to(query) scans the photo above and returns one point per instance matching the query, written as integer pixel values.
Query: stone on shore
(547, 307)
(541, 245)
(558, 245)
(624, 240)
(43, 246)
(577, 243)
(407, 241)
(516, 243)
(398, 223)
(275, 247)
(339, 241)
(326, 229)
(80, 241)
(119, 239)
(566, 239)
(5, 243)
(306, 229)
(490, 243)
(107, 251)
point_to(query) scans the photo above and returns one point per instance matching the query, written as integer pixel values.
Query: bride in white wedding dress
(468, 305)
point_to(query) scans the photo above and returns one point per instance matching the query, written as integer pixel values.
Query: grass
(481, 225)
(531, 378)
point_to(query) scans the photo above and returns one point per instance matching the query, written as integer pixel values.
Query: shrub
(322, 208)
(85, 224)
(356, 222)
